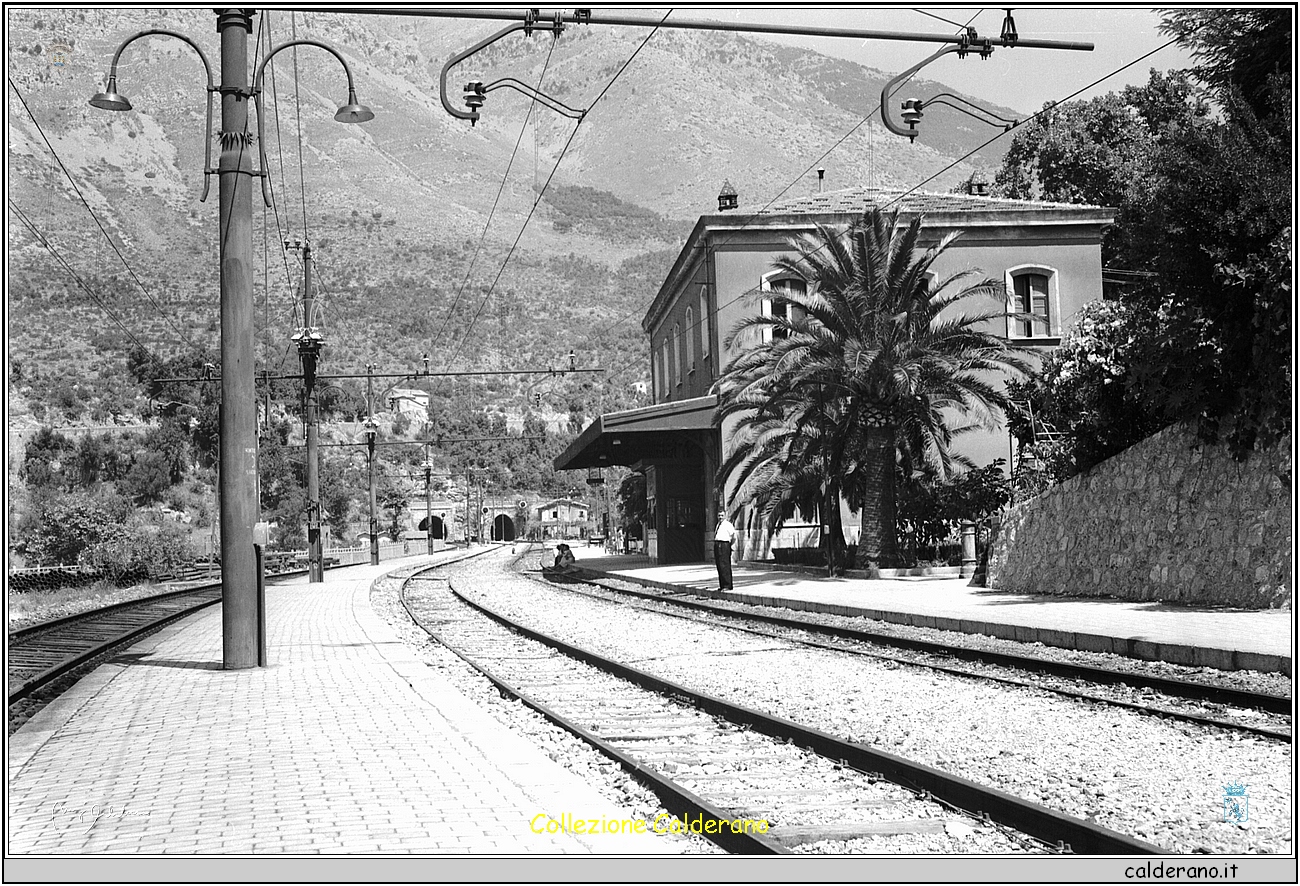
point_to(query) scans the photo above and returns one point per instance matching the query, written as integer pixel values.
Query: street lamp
(111, 100)
(241, 621)
(351, 112)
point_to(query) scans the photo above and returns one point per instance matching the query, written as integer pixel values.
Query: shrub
(140, 550)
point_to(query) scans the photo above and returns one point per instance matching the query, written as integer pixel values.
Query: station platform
(345, 743)
(1227, 639)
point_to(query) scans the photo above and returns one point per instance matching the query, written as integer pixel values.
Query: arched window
(777, 306)
(667, 369)
(705, 335)
(690, 340)
(656, 373)
(677, 363)
(1033, 290)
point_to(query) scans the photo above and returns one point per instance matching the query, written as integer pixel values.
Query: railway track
(716, 763)
(934, 656)
(40, 654)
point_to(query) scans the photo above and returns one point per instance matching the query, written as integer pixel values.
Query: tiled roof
(858, 200)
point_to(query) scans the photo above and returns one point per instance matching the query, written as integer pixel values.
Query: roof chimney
(821, 174)
(978, 185)
(726, 197)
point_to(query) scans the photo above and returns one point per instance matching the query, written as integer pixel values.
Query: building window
(1033, 290)
(677, 363)
(690, 340)
(704, 322)
(664, 355)
(777, 306)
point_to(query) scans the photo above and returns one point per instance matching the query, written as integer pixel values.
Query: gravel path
(1138, 775)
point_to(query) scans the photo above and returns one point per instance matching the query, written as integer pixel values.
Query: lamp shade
(353, 112)
(111, 99)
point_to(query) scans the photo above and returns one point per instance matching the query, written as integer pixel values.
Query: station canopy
(634, 435)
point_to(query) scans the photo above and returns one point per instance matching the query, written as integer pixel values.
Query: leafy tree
(392, 494)
(50, 461)
(1100, 151)
(633, 509)
(872, 356)
(1087, 391)
(67, 525)
(1243, 50)
(148, 479)
(930, 510)
(1204, 220)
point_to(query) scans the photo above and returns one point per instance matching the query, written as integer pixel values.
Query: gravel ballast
(606, 776)
(1149, 778)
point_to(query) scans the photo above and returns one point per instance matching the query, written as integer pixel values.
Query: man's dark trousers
(722, 556)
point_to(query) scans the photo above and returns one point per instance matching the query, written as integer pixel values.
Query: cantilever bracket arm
(971, 109)
(527, 26)
(208, 169)
(257, 99)
(553, 103)
(887, 93)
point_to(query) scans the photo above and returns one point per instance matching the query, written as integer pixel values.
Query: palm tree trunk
(878, 544)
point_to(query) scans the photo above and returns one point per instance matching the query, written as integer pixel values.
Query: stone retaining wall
(1165, 520)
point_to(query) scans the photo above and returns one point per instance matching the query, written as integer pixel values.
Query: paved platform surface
(345, 743)
(1229, 639)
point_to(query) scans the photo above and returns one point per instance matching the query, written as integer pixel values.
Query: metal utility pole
(428, 499)
(309, 346)
(238, 460)
(370, 441)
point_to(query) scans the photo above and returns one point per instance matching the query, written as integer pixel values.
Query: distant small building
(562, 518)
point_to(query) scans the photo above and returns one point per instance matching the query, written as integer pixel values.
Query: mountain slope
(396, 209)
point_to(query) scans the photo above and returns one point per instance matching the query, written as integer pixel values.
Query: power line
(555, 169)
(297, 103)
(942, 19)
(773, 199)
(898, 198)
(49, 247)
(165, 316)
(483, 237)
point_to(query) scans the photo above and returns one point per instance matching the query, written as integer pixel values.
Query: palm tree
(875, 354)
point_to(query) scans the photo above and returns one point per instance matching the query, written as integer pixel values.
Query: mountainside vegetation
(1200, 167)
(468, 245)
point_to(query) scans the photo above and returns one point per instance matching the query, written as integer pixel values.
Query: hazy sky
(1018, 78)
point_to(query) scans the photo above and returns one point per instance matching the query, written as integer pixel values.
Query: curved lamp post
(111, 100)
(351, 112)
(243, 634)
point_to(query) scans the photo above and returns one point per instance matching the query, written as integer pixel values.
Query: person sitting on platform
(565, 562)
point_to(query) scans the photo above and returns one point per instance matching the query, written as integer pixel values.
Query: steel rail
(1188, 689)
(82, 656)
(676, 798)
(1045, 824)
(1147, 709)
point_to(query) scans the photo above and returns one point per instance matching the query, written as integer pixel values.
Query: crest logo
(59, 54)
(1236, 805)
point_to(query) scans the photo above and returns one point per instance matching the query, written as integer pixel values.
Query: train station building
(1046, 255)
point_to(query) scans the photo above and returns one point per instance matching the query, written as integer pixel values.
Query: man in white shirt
(723, 536)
